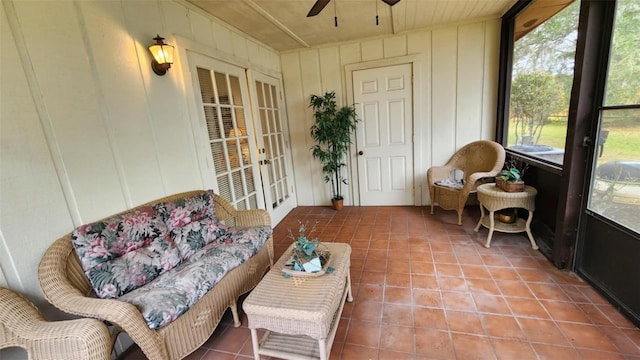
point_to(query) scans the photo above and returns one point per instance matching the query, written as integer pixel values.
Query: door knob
(360, 152)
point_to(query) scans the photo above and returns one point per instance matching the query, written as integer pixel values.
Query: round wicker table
(493, 199)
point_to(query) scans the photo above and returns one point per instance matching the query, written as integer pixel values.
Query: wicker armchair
(478, 160)
(22, 325)
(65, 286)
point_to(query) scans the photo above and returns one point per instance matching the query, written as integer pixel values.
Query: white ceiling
(284, 25)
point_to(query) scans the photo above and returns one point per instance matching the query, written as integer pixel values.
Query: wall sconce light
(162, 56)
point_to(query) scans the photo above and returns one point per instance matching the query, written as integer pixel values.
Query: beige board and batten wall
(87, 129)
(455, 83)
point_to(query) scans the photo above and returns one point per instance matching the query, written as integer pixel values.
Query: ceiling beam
(275, 22)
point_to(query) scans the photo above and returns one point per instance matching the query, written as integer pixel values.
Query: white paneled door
(231, 154)
(273, 147)
(383, 98)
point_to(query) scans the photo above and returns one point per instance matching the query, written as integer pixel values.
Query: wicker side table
(300, 314)
(493, 199)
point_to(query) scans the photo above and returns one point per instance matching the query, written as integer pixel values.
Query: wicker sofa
(68, 286)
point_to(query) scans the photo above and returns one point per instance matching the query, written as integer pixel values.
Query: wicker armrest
(21, 324)
(253, 218)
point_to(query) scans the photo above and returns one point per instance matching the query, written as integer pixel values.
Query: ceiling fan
(320, 4)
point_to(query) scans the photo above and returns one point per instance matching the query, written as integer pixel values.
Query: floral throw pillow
(125, 251)
(192, 222)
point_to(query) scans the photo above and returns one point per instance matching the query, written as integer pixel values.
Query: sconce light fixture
(162, 56)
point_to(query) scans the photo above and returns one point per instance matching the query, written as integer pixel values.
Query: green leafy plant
(306, 248)
(332, 133)
(513, 171)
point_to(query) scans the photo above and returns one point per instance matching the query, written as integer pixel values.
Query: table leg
(491, 227)
(481, 217)
(322, 344)
(349, 294)
(527, 228)
(254, 342)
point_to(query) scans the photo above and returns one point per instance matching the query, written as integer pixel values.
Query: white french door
(273, 147)
(231, 154)
(384, 103)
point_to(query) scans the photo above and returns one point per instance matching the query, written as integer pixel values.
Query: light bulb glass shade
(162, 55)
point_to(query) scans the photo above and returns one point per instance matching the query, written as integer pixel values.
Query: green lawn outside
(623, 142)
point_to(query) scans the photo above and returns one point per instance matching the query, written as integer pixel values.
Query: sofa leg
(234, 312)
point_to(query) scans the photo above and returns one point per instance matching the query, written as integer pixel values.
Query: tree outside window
(542, 76)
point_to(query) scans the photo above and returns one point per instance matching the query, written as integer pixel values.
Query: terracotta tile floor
(426, 288)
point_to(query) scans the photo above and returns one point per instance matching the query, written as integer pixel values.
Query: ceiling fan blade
(317, 7)
(391, 2)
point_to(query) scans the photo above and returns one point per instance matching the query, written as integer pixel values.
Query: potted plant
(332, 133)
(306, 256)
(509, 179)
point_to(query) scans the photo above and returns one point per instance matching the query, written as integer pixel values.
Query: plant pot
(516, 186)
(337, 204)
(507, 216)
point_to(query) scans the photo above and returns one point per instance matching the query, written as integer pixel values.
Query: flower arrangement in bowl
(309, 257)
(510, 178)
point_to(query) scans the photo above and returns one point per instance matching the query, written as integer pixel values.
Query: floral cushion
(254, 237)
(172, 294)
(125, 251)
(192, 222)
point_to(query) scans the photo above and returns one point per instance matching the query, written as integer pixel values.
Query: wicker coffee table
(300, 314)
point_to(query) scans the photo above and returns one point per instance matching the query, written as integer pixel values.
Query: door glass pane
(221, 86)
(623, 77)
(615, 186)
(213, 123)
(273, 141)
(228, 136)
(219, 160)
(251, 186)
(235, 90)
(274, 96)
(541, 80)
(263, 120)
(260, 94)
(240, 121)
(206, 86)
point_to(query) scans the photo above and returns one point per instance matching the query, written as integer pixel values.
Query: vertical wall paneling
(443, 97)
(70, 96)
(221, 35)
(452, 91)
(395, 46)
(175, 18)
(165, 99)
(253, 51)
(3, 279)
(201, 28)
(469, 80)
(296, 108)
(331, 73)
(329, 59)
(126, 112)
(312, 84)
(30, 189)
(420, 43)
(88, 130)
(372, 49)
(490, 78)
(239, 46)
(350, 53)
